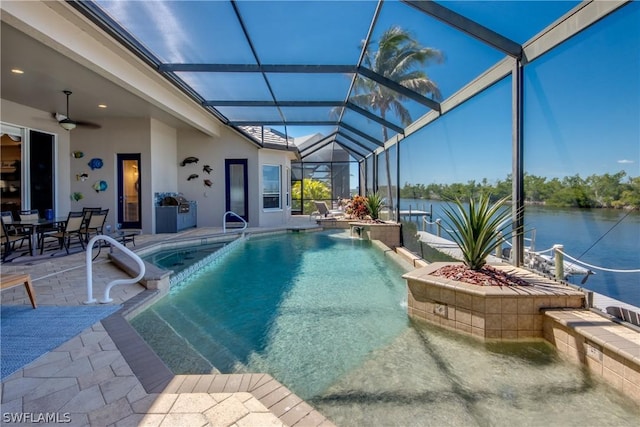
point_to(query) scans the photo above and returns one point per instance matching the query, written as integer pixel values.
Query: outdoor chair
(326, 212)
(94, 223)
(10, 236)
(87, 214)
(72, 227)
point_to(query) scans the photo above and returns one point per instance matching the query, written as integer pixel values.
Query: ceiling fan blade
(89, 125)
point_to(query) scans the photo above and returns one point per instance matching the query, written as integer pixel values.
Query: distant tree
(400, 58)
(606, 188)
(313, 190)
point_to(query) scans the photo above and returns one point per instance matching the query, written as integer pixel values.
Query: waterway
(608, 238)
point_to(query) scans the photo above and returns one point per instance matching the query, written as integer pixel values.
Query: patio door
(129, 200)
(236, 189)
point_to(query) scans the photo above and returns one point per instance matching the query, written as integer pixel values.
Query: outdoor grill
(179, 201)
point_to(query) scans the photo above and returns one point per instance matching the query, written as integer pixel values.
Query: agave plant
(374, 203)
(477, 230)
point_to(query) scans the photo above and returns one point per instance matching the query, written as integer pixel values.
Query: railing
(114, 242)
(224, 221)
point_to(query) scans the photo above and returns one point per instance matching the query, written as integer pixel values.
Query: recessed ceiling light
(17, 71)
(102, 105)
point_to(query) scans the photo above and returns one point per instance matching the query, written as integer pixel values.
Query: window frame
(268, 192)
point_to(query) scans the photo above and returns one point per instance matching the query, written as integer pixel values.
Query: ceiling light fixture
(17, 71)
(102, 105)
(67, 123)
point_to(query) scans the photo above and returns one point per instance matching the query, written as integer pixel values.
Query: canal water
(608, 238)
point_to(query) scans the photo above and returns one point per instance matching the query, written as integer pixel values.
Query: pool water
(182, 258)
(326, 315)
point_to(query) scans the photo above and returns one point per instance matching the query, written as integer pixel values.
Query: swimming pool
(326, 316)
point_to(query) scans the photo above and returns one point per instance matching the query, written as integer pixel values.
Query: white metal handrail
(224, 221)
(111, 240)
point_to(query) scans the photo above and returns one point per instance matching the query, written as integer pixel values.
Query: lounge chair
(324, 211)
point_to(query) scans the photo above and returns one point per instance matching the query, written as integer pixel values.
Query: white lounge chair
(324, 211)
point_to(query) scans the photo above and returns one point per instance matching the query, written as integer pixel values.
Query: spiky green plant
(477, 230)
(374, 202)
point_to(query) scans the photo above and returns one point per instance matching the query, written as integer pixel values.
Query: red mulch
(486, 276)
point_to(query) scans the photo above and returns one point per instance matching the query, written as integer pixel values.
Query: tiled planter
(488, 312)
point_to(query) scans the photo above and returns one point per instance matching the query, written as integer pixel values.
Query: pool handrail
(224, 221)
(88, 258)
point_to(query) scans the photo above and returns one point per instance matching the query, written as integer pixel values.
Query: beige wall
(124, 136)
(162, 148)
(25, 117)
(213, 152)
(163, 161)
(273, 217)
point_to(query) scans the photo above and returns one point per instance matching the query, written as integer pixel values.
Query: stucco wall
(164, 160)
(116, 136)
(271, 217)
(213, 152)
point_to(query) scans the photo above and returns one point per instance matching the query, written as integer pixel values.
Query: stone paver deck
(95, 378)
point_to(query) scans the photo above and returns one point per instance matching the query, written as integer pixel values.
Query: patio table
(35, 225)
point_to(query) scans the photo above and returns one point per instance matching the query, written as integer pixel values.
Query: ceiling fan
(65, 121)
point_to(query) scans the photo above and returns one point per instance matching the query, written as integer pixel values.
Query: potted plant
(500, 301)
(374, 203)
(478, 229)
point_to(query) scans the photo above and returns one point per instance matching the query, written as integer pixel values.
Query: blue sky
(582, 100)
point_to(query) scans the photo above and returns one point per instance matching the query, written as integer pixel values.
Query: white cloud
(625, 161)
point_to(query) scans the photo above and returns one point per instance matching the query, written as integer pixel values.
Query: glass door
(11, 171)
(129, 200)
(236, 189)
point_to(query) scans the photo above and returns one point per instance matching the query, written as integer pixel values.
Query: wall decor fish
(207, 169)
(95, 163)
(207, 182)
(82, 177)
(100, 186)
(189, 160)
(192, 176)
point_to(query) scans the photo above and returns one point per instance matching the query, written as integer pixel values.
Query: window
(271, 187)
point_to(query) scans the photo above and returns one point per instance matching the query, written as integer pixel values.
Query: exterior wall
(115, 136)
(213, 152)
(29, 118)
(272, 217)
(164, 164)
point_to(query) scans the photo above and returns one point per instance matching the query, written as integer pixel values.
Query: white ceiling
(47, 73)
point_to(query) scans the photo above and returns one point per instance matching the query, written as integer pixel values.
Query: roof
(298, 68)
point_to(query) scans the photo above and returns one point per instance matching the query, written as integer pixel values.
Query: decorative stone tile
(493, 306)
(525, 322)
(118, 388)
(193, 402)
(188, 420)
(85, 401)
(111, 413)
(155, 403)
(259, 419)
(226, 412)
(52, 402)
(50, 386)
(509, 305)
(19, 387)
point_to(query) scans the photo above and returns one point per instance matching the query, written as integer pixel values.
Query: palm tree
(400, 58)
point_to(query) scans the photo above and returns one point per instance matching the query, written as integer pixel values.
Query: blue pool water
(326, 316)
(179, 259)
